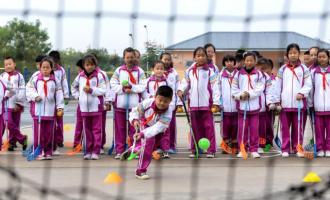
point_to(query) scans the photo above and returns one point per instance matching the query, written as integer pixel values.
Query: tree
(151, 55)
(23, 41)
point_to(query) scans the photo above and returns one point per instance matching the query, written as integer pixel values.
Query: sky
(79, 29)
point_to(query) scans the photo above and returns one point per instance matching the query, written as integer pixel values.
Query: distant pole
(69, 78)
(132, 39)
(147, 46)
(25, 73)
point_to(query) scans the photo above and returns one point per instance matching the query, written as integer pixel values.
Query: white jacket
(321, 83)
(89, 103)
(291, 83)
(201, 84)
(254, 84)
(60, 75)
(227, 101)
(267, 97)
(109, 95)
(172, 78)
(15, 88)
(2, 95)
(137, 81)
(152, 85)
(155, 121)
(46, 108)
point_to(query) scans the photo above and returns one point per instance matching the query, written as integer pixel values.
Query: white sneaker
(260, 150)
(56, 153)
(192, 155)
(87, 156)
(117, 157)
(327, 154)
(255, 155)
(48, 157)
(102, 152)
(210, 155)
(320, 154)
(166, 155)
(142, 176)
(95, 156)
(299, 155)
(41, 157)
(239, 155)
(285, 154)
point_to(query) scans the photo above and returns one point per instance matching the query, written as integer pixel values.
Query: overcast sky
(78, 25)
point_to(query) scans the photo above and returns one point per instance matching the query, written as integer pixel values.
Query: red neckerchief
(195, 67)
(292, 67)
(155, 111)
(324, 78)
(249, 78)
(10, 74)
(130, 74)
(168, 71)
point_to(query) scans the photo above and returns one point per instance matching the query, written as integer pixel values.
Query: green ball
(204, 144)
(124, 82)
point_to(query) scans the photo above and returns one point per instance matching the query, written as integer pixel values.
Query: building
(270, 44)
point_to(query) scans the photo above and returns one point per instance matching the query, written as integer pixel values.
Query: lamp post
(147, 46)
(132, 37)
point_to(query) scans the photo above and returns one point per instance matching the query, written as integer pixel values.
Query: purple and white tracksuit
(201, 84)
(228, 103)
(91, 107)
(158, 121)
(293, 80)
(14, 96)
(50, 91)
(252, 82)
(124, 102)
(321, 96)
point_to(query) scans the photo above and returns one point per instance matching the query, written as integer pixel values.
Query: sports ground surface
(223, 177)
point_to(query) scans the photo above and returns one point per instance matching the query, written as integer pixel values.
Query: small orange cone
(113, 178)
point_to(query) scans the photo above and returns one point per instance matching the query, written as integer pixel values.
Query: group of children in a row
(244, 90)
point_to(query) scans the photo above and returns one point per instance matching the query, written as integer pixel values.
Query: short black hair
(157, 62)
(257, 53)
(165, 91)
(80, 63)
(307, 53)
(199, 49)
(48, 59)
(10, 57)
(314, 47)
(56, 56)
(163, 54)
(128, 50)
(249, 53)
(239, 55)
(39, 58)
(228, 57)
(89, 58)
(262, 61)
(271, 63)
(292, 46)
(209, 45)
(324, 51)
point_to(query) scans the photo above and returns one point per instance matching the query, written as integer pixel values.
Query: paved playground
(177, 178)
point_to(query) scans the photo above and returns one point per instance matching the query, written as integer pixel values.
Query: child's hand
(107, 106)
(128, 90)
(60, 112)
(215, 108)
(137, 136)
(245, 96)
(179, 109)
(18, 108)
(136, 124)
(180, 94)
(299, 97)
(38, 99)
(87, 89)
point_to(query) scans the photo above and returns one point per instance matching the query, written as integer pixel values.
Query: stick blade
(243, 151)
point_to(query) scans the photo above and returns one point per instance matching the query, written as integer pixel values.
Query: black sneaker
(60, 145)
(11, 147)
(25, 143)
(125, 155)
